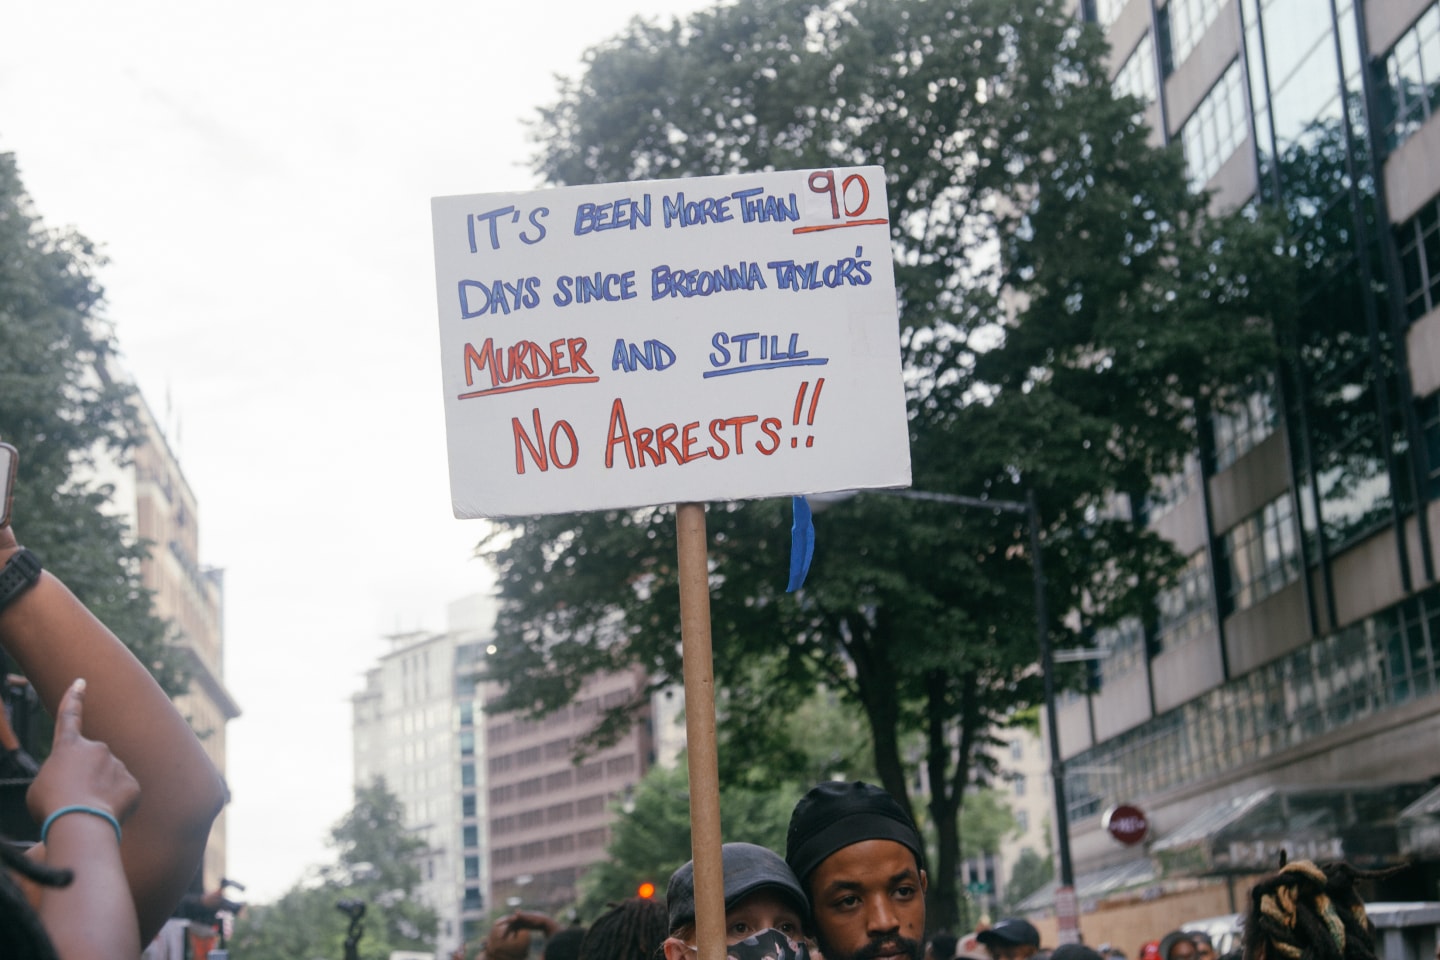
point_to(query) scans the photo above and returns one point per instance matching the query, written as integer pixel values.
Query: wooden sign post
(700, 747)
(680, 341)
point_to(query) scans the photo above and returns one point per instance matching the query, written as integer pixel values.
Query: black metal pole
(1047, 670)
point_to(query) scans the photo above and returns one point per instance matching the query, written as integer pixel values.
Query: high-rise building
(413, 728)
(549, 816)
(1288, 693)
(152, 494)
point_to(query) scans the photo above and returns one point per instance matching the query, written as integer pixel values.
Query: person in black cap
(761, 893)
(1010, 939)
(860, 859)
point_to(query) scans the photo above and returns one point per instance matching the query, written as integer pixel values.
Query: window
(1107, 10)
(1019, 782)
(1186, 608)
(1017, 749)
(467, 805)
(1188, 21)
(1419, 241)
(473, 900)
(1241, 428)
(470, 836)
(1022, 820)
(1216, 128)
(1263, 553)
(467, 743)
(467, 774)
(1136, 78)
(472, 868)
(1412, 78)
(1124, 648)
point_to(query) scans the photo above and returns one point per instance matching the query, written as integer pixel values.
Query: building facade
(1288, 692)
(548, 815)
(413, 727)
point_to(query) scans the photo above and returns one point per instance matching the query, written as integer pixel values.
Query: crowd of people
(851, 886)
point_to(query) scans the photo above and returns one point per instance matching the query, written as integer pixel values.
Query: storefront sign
(1127, 824)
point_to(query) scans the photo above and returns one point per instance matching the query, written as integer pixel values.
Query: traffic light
(646, 890)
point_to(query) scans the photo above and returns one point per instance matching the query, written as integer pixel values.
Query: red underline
(511, 388)
(837, 226)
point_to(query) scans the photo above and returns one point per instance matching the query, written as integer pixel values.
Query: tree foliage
(378, 863)
(59, 408)
(1030, 873)
(1068, 311)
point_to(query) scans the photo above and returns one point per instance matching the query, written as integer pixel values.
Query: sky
(259, 175)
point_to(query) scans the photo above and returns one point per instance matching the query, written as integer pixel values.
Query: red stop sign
(1126, 824)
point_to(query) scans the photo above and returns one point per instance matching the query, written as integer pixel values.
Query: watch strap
(19, 574)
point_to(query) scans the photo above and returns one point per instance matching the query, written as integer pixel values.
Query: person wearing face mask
(761, 894)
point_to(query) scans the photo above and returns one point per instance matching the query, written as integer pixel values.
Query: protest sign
(631, 344)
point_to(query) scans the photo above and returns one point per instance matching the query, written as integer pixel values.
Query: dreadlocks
(1309, 912)
(20, 927)
(631, 931)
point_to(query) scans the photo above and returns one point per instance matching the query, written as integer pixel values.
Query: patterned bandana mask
(768, 945)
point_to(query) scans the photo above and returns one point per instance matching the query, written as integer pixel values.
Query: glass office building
(1288, 690)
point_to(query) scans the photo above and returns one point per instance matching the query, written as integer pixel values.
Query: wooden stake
(700, 747)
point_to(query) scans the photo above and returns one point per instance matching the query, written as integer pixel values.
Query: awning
(1356, 823)
(1095, 885)
(1420, 826)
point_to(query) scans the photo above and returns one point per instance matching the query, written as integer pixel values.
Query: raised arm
(56, 640)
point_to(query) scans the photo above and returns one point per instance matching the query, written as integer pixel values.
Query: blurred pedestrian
(633, 930)
(1011, 938)
(1177, 945)
(1310, 912)
(1204, 946)
(941, 946)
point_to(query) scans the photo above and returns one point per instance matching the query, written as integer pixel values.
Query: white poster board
(631, 344)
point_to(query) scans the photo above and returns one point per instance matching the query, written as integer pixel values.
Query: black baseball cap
(748, 867)
(1010, 932)
(835, 815)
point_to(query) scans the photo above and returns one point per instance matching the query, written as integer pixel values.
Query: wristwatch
(20, 573)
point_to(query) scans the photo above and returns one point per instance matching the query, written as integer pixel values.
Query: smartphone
(9, 457)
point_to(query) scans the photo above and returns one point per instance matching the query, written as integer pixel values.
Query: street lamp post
(1064, 896)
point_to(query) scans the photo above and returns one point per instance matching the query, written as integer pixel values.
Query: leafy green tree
(1068, 312)
(59, 407)
(650, 838)
(1031, 872)
(377, 863)
(985, 822)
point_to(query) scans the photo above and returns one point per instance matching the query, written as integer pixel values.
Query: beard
(876, 948)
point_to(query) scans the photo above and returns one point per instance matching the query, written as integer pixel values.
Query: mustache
(886, 945)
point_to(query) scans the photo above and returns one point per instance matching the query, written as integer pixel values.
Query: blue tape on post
(802, 543)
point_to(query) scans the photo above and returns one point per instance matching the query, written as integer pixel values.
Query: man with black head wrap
(860, 860)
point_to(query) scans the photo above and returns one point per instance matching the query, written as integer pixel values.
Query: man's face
(1203, 951)
(868, 901)
(1183, 950)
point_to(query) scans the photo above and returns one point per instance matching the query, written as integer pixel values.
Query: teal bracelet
(79, 808)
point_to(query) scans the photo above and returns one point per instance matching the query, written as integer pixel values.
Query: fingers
(67, 718)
